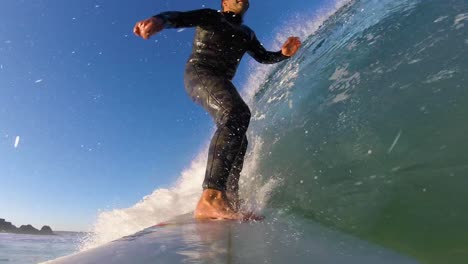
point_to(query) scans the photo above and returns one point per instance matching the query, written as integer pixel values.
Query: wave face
(364, 130)
(367, 128)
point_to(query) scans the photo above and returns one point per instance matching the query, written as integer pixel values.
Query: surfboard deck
(186, 240)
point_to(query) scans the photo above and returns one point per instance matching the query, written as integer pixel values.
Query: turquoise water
(367, 127)
(31, 249)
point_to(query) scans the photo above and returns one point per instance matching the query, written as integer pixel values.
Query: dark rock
(46, 230)
(27, 229)
(7, 227)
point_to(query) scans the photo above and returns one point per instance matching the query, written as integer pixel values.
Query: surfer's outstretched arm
(260, 54)
(173, 19)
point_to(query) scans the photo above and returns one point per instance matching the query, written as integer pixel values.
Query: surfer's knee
(238, 121)
(236, 118)
(245, 143)
(245, 117)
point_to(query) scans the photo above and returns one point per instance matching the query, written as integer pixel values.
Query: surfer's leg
(220, 99)
(226, 146)
(232, 191)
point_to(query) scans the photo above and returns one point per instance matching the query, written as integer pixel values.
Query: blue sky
(101, 115)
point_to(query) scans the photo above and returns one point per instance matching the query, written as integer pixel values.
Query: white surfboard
(185, 240)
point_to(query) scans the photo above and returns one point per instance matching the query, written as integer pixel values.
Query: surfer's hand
(291, 46)
(148, 27)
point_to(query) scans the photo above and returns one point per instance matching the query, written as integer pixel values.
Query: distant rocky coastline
(8, 227)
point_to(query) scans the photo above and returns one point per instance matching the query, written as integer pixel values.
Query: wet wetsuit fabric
(220, 42)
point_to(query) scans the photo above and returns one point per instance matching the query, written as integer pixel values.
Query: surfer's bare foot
(213, 204)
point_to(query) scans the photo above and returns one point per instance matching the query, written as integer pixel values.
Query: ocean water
(29, 249)
(368, 127)
(365, 131)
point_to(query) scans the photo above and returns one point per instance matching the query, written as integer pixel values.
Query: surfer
(221, 39)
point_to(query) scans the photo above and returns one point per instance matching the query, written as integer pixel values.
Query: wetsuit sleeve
(260, 54)
(174, 19)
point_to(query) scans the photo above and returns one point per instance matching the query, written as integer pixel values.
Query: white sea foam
(182, 197)
(161, 205)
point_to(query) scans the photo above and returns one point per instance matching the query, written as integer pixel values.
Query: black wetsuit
(220, 42)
